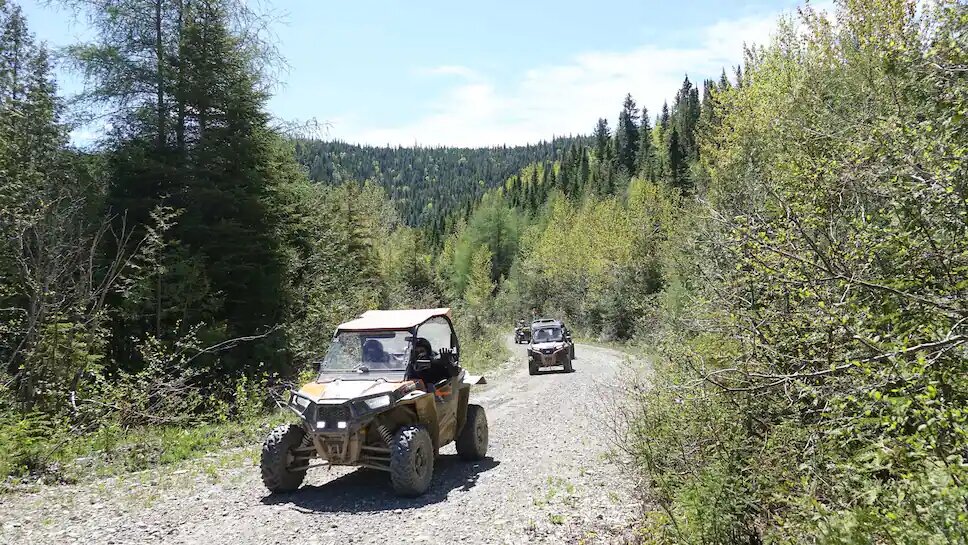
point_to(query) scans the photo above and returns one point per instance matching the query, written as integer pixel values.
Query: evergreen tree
(644, 160)
(516, 191)
(676, 159)
(685, 117)
(584, 172)
(724, 83)
(601, 137)
(227, 194)
(627, 136)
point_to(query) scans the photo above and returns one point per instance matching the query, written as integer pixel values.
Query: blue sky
(481, 73)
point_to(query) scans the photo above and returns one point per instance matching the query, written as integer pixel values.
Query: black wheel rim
(420, 461)
(481, 433)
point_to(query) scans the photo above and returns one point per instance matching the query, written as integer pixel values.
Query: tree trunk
(180, 129)
(160, 75)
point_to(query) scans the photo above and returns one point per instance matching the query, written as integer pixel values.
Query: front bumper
(337, 428)
(546, 358)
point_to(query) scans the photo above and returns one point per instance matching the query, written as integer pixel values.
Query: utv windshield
(367, 351)
(546, 335)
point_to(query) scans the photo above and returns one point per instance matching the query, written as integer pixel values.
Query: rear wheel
(472, 441)
(277, 458)
(411, 461)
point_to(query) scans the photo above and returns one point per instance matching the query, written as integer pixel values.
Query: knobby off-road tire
(276, 458)
(472, 441)
(532, 368)
(569, 368)
(411, 461)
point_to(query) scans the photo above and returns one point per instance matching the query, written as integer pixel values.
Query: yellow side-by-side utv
(390, 393)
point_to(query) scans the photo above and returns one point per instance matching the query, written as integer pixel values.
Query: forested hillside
(788, 241)
(427, 185)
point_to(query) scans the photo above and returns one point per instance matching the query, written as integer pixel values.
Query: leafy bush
(24, 442)
(813, 384)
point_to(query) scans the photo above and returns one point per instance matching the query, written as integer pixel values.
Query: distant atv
(522, 333)
(390, 393)
(551, 346)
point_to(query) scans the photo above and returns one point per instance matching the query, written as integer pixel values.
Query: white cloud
(566, 99)
(451, 70)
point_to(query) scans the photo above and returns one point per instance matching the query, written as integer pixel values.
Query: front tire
(277, 458)
(568, 366)
(411, 461)
(472, 441)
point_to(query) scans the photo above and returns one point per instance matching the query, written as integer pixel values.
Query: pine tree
(685, 117)
(676, 159)
(601, 136)
(645, 158)
(627, 136)
(584, 172)
(724, 83)
(533, 189)
(230, 182)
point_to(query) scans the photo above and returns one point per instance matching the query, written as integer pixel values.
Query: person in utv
(440, 367)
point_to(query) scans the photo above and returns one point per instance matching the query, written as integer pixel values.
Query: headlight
(378, 402)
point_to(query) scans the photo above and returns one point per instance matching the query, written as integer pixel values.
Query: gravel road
(547, 479)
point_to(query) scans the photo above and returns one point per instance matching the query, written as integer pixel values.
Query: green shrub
(25, 441)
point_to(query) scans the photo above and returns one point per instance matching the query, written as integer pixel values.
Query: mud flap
(474, 379)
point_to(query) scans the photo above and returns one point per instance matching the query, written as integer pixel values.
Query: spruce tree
(627, 136)
(227, 193)
(724, 83)
(685, 117)
(645, 157)
(601, 136)
(676, 159)
(584, 172)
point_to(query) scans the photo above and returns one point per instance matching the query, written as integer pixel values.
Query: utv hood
(351, 389)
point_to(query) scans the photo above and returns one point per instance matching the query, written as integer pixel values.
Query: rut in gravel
(548, 478)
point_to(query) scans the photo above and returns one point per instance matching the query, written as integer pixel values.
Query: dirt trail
(546, 480)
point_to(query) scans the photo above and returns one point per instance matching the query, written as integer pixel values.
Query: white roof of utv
(392, 319)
